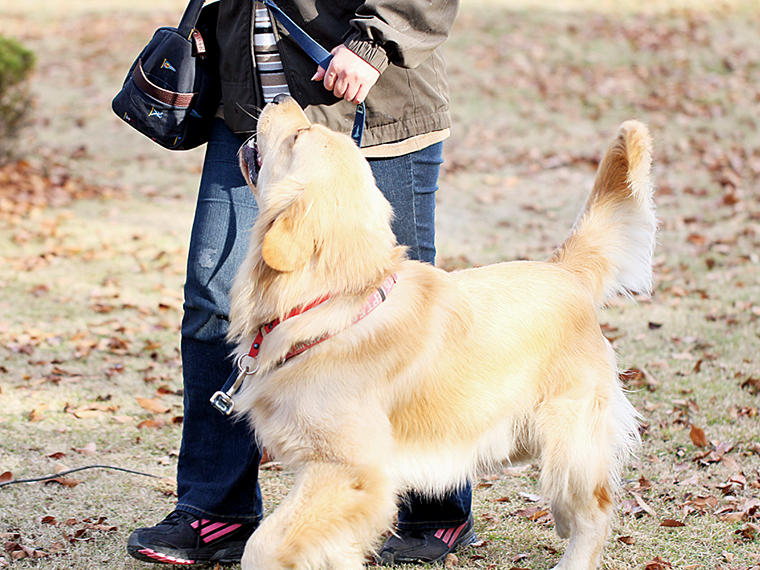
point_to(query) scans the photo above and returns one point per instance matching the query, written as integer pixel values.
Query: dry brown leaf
(157, 423)
(752, 385)
(670, 523)
(87, 413)
(123, 419)
(56, 455)
(152, 405)
(638, 378)
(536, 514)
(89, 449)
(698, 436)
(658, 564)
(164, 389)
(64, 481)
(701, 503)
(628, 540)
(749, 532)
(640, 502)
(18, 551)
(36, 414)
(6, 476)
(100, 527)
(693, 480)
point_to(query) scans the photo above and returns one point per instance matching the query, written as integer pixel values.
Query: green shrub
(16, 63)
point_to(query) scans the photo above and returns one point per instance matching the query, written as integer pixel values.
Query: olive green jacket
(399, 38)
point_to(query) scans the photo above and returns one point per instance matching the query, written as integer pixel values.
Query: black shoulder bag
(172, 91)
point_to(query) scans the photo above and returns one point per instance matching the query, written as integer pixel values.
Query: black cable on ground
(62, 473)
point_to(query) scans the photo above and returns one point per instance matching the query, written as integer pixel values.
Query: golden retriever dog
(366, 395)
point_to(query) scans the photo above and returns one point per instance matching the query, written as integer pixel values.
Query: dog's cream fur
(454, 373)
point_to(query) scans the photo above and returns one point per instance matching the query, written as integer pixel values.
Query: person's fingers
(340, 87)
(352, 90)
(320, 74)
(330, 78)
(361, 94)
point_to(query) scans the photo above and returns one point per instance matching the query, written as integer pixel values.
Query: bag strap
(190, 18)
(315, 51)
(322, 57)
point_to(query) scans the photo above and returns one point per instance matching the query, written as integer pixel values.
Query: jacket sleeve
(402, 32)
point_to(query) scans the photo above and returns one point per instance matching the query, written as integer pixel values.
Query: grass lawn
(93, 267)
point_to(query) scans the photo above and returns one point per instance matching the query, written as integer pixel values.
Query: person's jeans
(217, 472)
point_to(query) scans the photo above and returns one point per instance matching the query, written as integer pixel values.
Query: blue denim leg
(409, 183)
(217, 472)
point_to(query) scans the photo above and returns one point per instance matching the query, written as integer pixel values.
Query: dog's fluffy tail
(610, 248)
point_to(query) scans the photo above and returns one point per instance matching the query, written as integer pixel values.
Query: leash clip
(222, 399)
(223, 402)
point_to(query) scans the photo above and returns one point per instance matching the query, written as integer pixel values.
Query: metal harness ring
(244, 369)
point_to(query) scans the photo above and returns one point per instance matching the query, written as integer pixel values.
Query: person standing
(385, 54)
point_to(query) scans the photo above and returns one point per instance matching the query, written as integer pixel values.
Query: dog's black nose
(279, 98)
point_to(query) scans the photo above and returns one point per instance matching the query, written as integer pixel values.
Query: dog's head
(319, 208)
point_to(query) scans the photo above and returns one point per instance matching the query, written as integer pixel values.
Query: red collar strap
(247, 365)
(374, 301)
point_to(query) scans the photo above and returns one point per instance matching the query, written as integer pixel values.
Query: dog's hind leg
(329, 520)
(583, 444)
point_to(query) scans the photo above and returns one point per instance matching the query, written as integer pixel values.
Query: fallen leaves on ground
(152, 405)
(658, 563)
(73, 532)
(25, 189)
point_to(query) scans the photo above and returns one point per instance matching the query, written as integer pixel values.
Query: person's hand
(348, 76)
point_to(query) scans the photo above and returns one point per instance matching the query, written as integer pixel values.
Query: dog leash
(247, 366)
(322, 57)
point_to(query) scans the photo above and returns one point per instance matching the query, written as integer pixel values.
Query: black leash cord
(62, 473)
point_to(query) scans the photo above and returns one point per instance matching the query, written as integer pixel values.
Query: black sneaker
(426, 546)
(182, 538)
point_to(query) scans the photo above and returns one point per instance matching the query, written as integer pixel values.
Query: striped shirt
(268, 62)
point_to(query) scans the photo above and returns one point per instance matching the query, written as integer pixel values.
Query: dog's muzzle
(252, 159)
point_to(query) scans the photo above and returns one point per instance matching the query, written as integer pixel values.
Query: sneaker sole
(230, 555)
(389, 559)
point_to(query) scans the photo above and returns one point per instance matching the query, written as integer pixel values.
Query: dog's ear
(288, 244)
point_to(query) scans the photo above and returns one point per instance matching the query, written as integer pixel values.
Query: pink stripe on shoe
(439, 532)
(455, 534)
(211, 528)
(228, 529)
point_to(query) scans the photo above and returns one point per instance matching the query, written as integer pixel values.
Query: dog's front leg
(329, 520)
